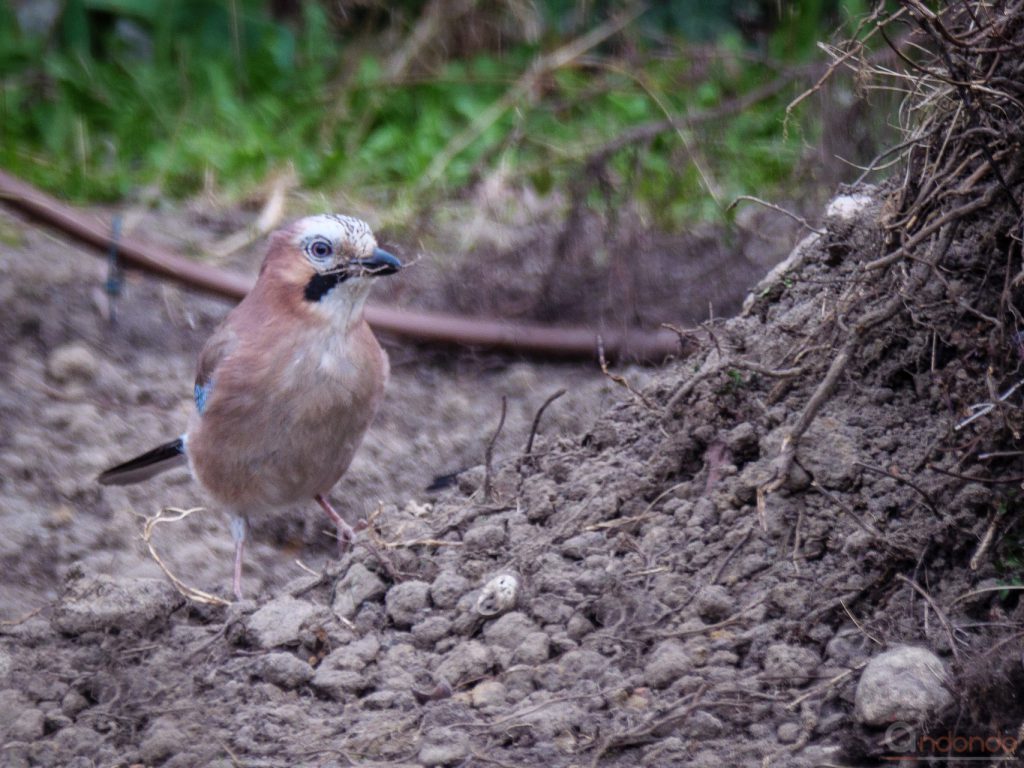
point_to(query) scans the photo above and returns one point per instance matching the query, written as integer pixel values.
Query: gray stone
(549, 608)
(103, 602)
(489, 693)
(431, 629)
(829, 452)
(356, 587)
(471, 479)
(569, 668)
(905, 683)
(278, 622)
(381, 700)
(714, 603)
(557, 718)
(398, 667)
(535, 649)
(405, 601)
(847, 647)
(583, 544)
(790, 664)
(510, 630)
(15, 755)
(28, 725)
(845, 209)
(72, 362)
(447, 588)
(73, 703)
(284, 670)
(788, 732)
(579, 626)
(667, 662)
(338, 683)
(723, 658)
(163, 739)
(466, 661)
(44, 752)
(484, 538)
(443, 746)
(704, 513)
(76, 740)
(830, 723)
(355, 655)
(742, 439)
(703, 726)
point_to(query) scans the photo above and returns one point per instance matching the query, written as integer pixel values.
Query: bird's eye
(320, 249)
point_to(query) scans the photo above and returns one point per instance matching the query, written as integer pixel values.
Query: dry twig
(489, 453)
(174, 515)
(938, 612)
(536, 421)
(620, 380)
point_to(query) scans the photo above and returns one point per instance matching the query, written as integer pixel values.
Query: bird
(287, 385)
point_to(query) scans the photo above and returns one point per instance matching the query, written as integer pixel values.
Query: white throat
(343, 305)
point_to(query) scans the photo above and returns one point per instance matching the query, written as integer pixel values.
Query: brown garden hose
(412, 325)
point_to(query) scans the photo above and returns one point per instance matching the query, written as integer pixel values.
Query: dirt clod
(102, 602)
(278, 622)
(443, 746)
(27, 725)
(489, 693)
(668, 661)
(447, 588)
(406, 601)
(284, 670)
(357, 586)
(790, 664)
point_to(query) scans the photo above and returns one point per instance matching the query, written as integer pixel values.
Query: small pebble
(72, 362)
(498, 595)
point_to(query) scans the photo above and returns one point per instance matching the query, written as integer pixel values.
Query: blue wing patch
(201, 394)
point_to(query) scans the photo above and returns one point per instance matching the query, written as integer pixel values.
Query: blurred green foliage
(105, 97)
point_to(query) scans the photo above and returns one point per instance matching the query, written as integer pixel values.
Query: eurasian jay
(288, 384)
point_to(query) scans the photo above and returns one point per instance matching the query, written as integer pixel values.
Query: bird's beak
(380, 263)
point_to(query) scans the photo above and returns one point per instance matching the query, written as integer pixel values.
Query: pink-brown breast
(290, 403)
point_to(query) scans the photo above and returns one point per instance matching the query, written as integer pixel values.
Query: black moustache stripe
(320, 285)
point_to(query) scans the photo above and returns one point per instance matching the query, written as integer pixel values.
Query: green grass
(182, 93)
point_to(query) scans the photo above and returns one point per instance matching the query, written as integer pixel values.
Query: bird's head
(328, 262)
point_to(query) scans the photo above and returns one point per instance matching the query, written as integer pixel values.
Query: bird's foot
(346, 536)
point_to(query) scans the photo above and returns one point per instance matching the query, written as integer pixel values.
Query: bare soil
(663, 617)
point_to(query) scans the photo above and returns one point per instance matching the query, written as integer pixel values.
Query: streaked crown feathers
(332, 237)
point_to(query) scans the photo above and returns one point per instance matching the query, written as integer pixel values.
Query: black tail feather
(160, 459)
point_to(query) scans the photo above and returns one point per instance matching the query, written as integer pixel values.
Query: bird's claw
(346, 537)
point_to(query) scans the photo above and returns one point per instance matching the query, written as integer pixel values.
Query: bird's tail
(160, 459)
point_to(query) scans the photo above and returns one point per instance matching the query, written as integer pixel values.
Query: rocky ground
(650, 587)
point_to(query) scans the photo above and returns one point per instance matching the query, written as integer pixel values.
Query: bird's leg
(239, 533)
(346, 534)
